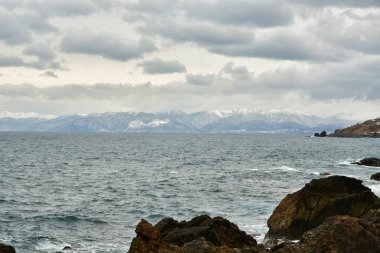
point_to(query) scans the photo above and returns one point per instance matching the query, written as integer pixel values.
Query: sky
(314, 57)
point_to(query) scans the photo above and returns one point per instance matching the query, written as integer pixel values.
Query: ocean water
(90, 190)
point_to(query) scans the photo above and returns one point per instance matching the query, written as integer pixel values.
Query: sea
(89, 191)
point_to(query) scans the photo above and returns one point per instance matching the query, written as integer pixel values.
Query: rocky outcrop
(376, 176)
(201, 234)
(321, 134)
(373, 162)
(321, 198)
(339, 234)
(334, 214)
(6, 248)
(369, 128)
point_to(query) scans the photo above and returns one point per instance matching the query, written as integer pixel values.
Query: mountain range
(212, 121)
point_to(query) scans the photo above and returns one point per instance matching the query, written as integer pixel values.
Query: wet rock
(376, 176)
(6, 248)
(201, 234)
(373, 162)
(321, 198)
(338, 234)
(67, 248)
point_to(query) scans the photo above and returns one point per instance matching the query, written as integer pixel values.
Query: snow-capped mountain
(213, 121)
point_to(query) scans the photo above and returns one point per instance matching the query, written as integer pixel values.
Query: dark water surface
(90, 190)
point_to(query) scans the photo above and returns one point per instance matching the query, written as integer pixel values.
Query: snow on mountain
(215, 121)
(154, 123)
(25, 115)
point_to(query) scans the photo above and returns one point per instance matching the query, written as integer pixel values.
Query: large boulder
(373, 162)
(376, 176)
(321, 198)
(6, 248)
(201, 234)
(338, 234)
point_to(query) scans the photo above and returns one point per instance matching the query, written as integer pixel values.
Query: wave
(69, 219)
(286, 169)
(376, 189)
(347, 161)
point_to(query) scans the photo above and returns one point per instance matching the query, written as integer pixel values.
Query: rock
(373, 162)
(201, 234)
(338, 234)
(67, 248)
(376, 176)
(322, 134)
(6, 248)
(369, 128)
(321, 198)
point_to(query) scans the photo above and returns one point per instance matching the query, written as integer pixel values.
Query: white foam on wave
(258, 231)
(173, 172)
(376, 189)
(49, 246)
(347, 161)
(286, 168)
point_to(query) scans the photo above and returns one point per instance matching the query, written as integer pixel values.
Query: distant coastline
(367, 129)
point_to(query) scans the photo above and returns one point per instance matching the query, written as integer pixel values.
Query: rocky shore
(333, 214)
(369, 128)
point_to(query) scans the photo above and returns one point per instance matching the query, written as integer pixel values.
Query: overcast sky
(309, 56)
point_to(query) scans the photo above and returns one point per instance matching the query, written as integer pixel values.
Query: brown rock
(338, 234)
(321, 198)
(369, 128)
(201, 234)
(6, 248)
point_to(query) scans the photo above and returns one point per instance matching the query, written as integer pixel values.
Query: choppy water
(90, 190)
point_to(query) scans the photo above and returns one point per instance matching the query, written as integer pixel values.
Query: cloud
(199, 79)
(347, 3)
(269, 13)
(108, 46)
(158, 66)
(50, 74)
(12, 29)
(56, 8)
(11, 61)
(42, 51)
(201, 33)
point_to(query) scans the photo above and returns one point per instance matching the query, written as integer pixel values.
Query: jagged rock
(322, 134)
(6, 248)
(201, 234)
(321, 198)
(373, 162)
(369, 128)
(338, 234)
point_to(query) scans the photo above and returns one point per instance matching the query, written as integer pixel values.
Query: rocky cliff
(369, 128)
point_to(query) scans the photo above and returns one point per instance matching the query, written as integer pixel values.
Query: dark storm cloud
(158, 66)
(267, 13)
(199, 79)
(106, 45)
